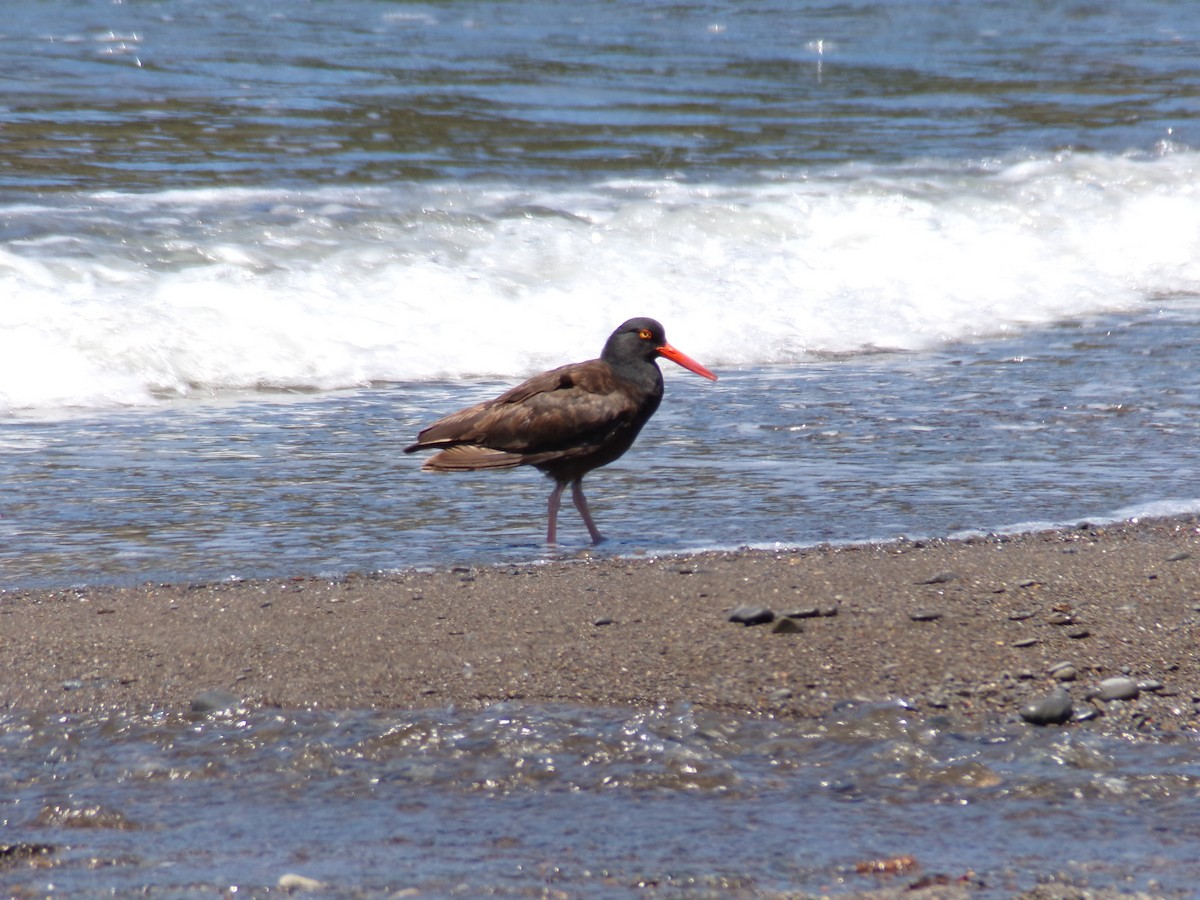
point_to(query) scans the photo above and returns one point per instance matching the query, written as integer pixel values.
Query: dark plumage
(565, 422)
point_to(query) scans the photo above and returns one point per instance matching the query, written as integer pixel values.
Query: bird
(565, 422)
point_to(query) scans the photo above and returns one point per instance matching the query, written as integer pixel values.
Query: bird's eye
(645, 334)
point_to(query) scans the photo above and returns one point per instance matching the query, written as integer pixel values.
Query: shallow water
(1087, 420)
(514, 800)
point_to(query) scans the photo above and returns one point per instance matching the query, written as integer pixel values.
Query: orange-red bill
(686, 361)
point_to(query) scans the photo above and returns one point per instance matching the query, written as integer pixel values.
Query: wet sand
(968, 630)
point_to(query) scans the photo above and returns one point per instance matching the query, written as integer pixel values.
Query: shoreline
(970, 630)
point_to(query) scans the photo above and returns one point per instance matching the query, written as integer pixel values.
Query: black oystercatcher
(565, 422)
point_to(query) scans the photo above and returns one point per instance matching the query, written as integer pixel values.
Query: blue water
(944, 257)
(968, 439)
(131, 96)
(599, 803)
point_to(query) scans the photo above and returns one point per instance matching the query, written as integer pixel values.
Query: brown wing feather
(563, 413)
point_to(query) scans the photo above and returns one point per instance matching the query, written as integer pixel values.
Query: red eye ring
(645, 334)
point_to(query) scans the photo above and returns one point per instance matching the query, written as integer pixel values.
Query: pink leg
(552, 512)
(581, 505)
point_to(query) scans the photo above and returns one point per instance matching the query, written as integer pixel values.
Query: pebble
(939, 578)
(1118, 688)
(1078, 634)
(603, 620)
(1026, 642)
(1063, 671)
(813, 612)
(752, 615)
(1060, 619)
(1179, 557)
(1021, 615)
(1053, 709)
(925, 615)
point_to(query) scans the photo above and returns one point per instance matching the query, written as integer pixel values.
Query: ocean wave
(127, 299)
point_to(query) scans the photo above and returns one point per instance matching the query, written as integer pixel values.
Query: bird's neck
(643, 373)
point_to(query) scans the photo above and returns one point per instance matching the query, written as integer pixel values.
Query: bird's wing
(564, 411)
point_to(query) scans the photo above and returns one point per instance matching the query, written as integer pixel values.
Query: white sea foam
(125, 299)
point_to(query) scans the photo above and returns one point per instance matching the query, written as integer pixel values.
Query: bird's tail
(464, 457)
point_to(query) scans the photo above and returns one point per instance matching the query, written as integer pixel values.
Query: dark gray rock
(752, 615)
(1052, 709)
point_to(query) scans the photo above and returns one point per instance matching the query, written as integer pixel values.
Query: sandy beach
(971, 629)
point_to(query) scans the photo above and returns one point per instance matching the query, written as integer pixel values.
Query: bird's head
(645, 339)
